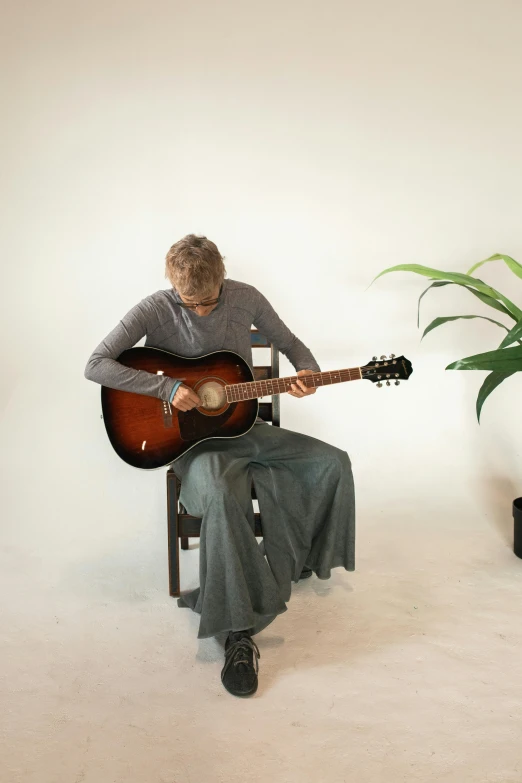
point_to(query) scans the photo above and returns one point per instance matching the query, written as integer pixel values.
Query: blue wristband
(174, 390)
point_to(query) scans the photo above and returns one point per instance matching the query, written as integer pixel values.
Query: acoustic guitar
(149, 433)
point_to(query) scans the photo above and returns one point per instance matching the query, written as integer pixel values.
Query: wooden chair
(183, 526)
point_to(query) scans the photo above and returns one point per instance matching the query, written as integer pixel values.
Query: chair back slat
(262, 373)
(258, 340)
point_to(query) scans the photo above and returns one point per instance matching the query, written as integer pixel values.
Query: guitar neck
(250, 391)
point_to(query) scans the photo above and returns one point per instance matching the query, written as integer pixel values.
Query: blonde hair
(194, 266)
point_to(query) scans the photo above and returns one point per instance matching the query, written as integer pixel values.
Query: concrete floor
(406, 670)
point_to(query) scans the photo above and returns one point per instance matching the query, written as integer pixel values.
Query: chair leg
(184, 539)
(172, 531)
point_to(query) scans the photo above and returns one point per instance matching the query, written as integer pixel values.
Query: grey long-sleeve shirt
(176, 329)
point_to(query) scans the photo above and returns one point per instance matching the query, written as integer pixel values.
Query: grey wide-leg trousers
(306, 498)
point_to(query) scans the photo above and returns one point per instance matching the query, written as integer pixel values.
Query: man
(304, 486)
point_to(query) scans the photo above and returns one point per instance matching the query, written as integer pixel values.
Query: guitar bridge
(167, 414)
(167, 409)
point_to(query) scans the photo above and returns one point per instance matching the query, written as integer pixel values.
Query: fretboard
(249, 391)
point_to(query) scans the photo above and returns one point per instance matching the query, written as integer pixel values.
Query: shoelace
(243, 646)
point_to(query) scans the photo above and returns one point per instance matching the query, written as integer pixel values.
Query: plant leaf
(513, 336)
(491, 382)
(499, 360)
(438, 284)
(456, 277)
(511, 263)
(444, 320)
(483, 298)
(491, 302)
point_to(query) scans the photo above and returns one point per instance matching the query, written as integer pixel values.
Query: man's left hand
(299, 389)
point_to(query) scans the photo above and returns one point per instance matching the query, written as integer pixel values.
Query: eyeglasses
(193, 305)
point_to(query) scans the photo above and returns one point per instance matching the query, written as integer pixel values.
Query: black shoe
(306, 573)
(239, 674)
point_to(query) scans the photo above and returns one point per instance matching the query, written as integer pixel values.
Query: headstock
(387, 369)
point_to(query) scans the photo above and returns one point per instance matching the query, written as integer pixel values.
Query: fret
(238, 392)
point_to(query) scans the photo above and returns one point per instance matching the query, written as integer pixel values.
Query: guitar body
(148, 433)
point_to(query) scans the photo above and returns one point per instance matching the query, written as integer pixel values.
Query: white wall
(316, 144)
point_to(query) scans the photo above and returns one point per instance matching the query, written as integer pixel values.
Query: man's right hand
(186, 398)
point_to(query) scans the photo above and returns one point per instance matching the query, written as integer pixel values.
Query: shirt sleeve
(174, 390)
(267, 321)
(103, 367)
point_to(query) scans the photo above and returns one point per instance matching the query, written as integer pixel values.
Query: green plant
(502, 362)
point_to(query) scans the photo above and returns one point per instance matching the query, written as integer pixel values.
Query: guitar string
(292, 378)
(350, 370)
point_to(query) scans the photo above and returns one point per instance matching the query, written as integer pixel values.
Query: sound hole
(213, 396)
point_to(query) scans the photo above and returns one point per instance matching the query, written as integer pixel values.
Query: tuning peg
(387, 383)
(374, 358)
(392, 356)
(383, 357)
(379, 385)
(397, 383)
